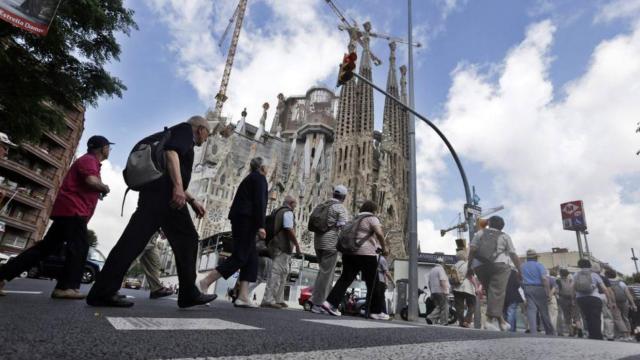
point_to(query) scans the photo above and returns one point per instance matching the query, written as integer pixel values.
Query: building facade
(29, 180)
(316, 140)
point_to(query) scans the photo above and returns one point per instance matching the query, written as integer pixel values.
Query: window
(14, 240)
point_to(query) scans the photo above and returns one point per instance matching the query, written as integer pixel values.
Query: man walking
(490, 251)
(325, 247)
(567, 303)
(537, 291)
(161, 203)
(465, 293)
(72, 210)
(438, 283)
(281, 247)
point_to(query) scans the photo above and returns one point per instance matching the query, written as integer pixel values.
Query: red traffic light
(346, 68)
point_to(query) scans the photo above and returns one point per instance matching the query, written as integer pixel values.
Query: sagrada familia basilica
(317, 140)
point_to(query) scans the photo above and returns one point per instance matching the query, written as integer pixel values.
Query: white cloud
(543, 146)
(618, 9)
(107, 222)
(299, 47)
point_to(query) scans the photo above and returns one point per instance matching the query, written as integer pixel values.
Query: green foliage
(39, 76)
(92, 238)
(633, 279)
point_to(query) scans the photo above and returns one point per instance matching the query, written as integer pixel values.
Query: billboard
(33, 16)
(573, 217)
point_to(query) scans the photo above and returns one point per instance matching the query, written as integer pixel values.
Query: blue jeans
(511, 312)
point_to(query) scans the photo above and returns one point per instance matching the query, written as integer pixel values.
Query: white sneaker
(330, 309)
(492, 325)
(317, 309)
(504, 326)
(381, 316)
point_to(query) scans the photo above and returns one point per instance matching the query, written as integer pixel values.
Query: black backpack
(270, 224)
(146, 162)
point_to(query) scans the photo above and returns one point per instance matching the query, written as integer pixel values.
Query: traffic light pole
(412, 179)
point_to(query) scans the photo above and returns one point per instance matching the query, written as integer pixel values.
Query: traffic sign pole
(580, 252)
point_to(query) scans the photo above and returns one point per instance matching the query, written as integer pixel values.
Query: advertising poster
(33, 16)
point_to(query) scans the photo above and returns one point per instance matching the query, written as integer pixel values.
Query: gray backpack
(618, 291)
(583, 283)
(319, 218)
(146, 162)
(348, 241)
(487, 247)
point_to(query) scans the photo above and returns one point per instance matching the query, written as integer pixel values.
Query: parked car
(305, 298)
(51, 267)
(132, 283)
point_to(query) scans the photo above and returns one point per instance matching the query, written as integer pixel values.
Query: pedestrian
(247, 215)
(512, 299)
(535, 283)
(608, 302)
(161, 204)
(281, 247)
(324, 244)
(367, 231)
(381, 286)
(489, 255)
(624, 301)
(587, 285)
(465, 293)
(73, 208)
(150, 263)
(438, 283)
(553, 298)
(567, 304)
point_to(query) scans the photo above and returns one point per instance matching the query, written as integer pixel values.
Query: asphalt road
(34, 326)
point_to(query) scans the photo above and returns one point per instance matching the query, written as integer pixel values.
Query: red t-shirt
(75, 197)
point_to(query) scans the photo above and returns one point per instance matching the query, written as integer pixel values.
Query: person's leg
(278, 269)
(532, 309)
(511, 315)
(143, 223)
(30, 257)
(444, 315)
(553, 312)
(624, 313)
(249, 271)
(621, 328)
(150, 262)
(543, 309)
(76, 249)
(593, 317)
(349, 271)
(497, 290)
(470, 301)
(458, 299)
(283, 280)
(607, 321)
(327, 261)
(244, 234)
(368, 265)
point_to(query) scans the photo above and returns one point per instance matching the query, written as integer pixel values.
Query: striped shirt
(337, 217)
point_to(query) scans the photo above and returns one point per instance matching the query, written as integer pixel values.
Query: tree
(92, 238)
(42, 77)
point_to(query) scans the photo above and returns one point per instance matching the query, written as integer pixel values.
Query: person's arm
(195, 205)
(472, 254)
(444, 282)
(545, 284)
(289, 230)
(260, 203)
(96, 184)
(178, 197)
(632, 303)
(379, 234)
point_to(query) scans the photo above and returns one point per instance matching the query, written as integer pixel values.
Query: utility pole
(635, 260)
(413, 211)
(586, 244)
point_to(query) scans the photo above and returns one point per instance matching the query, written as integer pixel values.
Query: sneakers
(283, 305)
(317, 309)
(505, 326)
(381, 316)
(69, 294)
(330, 309)
(269, 305)
(492, 325)
(2, 284)
(245, 304)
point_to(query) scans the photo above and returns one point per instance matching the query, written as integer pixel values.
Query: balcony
(32, 200)
(27, 223)
(59, 140)
(44, 178)
(50, 158)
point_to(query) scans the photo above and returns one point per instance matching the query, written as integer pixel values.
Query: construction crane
(462, 226)
(237, 17)
(352, 28)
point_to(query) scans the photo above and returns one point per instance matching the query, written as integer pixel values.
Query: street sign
(474, 210)
(573, 217)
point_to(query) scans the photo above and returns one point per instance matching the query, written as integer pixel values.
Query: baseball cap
(98, 141)
(4, 138)
(340, 190)
(532, 253)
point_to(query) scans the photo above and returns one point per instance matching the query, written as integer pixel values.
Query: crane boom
(221, 96)
(226, 31)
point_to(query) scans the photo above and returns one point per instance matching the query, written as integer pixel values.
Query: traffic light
(346, 68)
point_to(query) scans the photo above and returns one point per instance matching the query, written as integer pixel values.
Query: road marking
(23, 292)
(136, 323)
(504, 348)
(361, 324)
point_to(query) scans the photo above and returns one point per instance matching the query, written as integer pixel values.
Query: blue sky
(521, 88)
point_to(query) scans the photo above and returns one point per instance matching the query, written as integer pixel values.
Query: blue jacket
(250, 201)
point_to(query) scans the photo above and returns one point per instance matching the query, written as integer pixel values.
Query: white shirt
(434, 277)
(466, 286)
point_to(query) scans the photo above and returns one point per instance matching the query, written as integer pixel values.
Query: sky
(538, 97)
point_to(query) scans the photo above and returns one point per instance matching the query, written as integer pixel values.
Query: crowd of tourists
(591, 302)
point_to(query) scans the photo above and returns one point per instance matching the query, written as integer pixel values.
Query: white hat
(5, 140)
(340, 190)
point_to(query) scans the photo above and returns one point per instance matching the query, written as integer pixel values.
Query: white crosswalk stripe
(23, 292)
(139, 323)
(361, 324)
